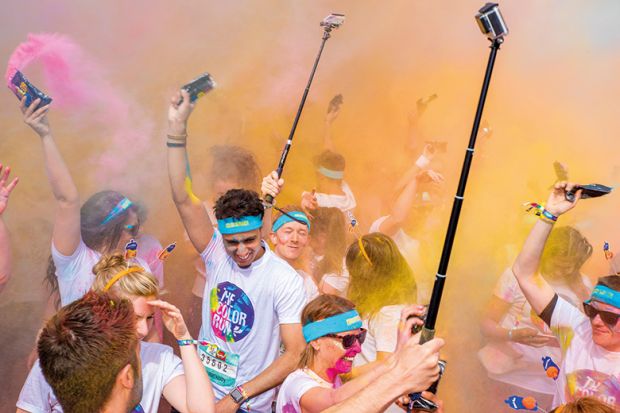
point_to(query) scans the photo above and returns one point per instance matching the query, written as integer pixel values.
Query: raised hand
(557, 203)
(272, 185)
(5, 190)
(178, 114)
(36, 117)
(309, 202)
(173, 319)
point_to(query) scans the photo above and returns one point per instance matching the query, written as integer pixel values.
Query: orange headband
(121, 275)
(363, 250)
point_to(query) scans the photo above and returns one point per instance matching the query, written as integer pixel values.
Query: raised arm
(191, 209)
(66, 235)
(191, 392)
(403, 206)
(537, 291)
(5, 244)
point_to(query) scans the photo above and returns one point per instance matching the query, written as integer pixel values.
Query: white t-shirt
(242, 309)
(296, 385)
(587, 369)
(75, 272)
(382, 336)
(344, 202)
(520, 364)
(312, 291)
(159, 367)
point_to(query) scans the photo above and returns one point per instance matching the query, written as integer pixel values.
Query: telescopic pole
(287, 147)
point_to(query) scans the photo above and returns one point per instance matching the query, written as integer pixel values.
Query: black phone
(588, 191)
(198, 87)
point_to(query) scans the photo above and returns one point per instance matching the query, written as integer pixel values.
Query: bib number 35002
(220, 365)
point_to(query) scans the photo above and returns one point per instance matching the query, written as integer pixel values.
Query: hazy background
(553, 97)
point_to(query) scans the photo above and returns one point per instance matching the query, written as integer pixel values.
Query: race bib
(220, 365)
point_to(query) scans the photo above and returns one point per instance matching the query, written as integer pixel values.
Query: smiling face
(604, 335)
(331, 353)
(245, 247)
(289, 240)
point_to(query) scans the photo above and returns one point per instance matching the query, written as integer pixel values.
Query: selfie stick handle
(287, 146)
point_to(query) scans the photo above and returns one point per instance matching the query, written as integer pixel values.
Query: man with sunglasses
(590, 342)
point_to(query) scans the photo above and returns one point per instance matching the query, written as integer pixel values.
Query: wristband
(541, 212)
(191, 341)
(176, 145)
(422, 162)
(239, 395)
(178, 137)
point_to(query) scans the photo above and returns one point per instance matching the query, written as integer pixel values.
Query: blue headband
(285, 219)
(330, 173)
(336, 324)
(121, 207)
(605, 295)
(236, 225)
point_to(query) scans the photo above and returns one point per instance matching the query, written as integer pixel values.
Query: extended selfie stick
(492, 25)
(333, 21)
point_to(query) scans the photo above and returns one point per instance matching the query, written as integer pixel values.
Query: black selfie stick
(328, 26)
(496, 30)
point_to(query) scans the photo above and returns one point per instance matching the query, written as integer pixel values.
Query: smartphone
(588, 191)
(199, 87)
(22, 87)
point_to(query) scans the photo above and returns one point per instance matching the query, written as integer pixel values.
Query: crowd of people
(294, 309)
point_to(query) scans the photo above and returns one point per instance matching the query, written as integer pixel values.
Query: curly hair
(238, 203)
(387, 281)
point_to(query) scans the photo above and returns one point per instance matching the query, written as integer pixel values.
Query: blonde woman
(183, 382)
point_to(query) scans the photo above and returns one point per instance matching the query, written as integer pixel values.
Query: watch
(239, 395)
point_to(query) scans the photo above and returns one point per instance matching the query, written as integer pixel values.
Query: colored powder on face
(342, 366)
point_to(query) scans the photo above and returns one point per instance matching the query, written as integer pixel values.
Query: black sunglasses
(350, 339)
(609, 318)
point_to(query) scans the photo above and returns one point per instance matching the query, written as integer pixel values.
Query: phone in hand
(588, 191)
(22, 87)
(198, 87)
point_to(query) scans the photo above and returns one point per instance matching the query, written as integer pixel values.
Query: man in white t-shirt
(89, 355)
(590, 342)
(252, 299)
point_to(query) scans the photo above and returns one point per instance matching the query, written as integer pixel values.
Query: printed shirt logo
(232, 313)
(582, 383)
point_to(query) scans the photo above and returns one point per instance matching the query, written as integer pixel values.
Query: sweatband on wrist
(293, 216)
(236, 225)
(336, 324)
(605, 295)
(422, 162)
(330, 173)
(190, 342)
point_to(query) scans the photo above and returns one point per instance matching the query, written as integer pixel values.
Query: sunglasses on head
(349, 340)
(607, 317)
